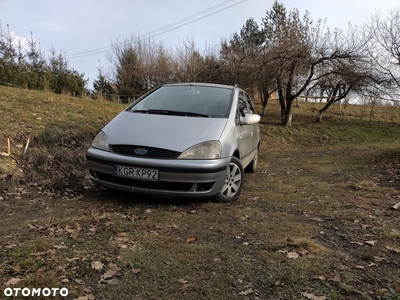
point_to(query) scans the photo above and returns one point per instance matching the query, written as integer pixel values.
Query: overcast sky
(83, 29)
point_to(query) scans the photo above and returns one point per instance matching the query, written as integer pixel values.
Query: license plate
(134, 172)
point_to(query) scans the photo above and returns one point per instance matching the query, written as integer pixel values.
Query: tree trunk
(319, 117)
(371, 113)
(264, 103)
(281, 102)
(286, 115)
(324, 109)
(332, 98)
(264, 109)
(288, 119)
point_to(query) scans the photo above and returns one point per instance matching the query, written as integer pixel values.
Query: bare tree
(245, 60)
(385, 51)
(308, 55)
(139, 65)
(189, 62)
(231, 60)
(127, 72)
(162, 68)
(289, 40)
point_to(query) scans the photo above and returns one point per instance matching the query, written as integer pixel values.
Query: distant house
(115, 90)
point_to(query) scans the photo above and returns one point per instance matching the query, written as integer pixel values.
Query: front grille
(151, 152)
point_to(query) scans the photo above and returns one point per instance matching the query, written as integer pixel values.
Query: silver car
(180, 140)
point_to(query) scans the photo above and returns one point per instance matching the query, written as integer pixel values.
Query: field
(314, 222)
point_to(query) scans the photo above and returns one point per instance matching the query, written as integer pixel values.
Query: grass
(314, 220)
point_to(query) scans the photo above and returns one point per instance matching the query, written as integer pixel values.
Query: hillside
(59, 129)
(314, 222)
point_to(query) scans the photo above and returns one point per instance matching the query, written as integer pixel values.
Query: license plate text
(134, 172)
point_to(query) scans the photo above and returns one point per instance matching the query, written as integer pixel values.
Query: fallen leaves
(97, 265)
(86, 297)
(249, 291)
(183, 281)
(321, 278)
(12, 281)
(63, 279)
(109, 277)
(335, 278)
(79, 281)
(73, 230)
(312, 296)
(52, 229)
(395, 233)
(117, 231)
(371, 243)
(136, 271)
(191, 239)
(292, 255)
(392, 249)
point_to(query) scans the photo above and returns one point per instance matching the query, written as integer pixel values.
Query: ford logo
(140, 151)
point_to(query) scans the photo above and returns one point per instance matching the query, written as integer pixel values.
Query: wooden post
(26, 147)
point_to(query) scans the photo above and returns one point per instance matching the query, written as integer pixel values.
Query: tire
(251, 168)
(233, 183)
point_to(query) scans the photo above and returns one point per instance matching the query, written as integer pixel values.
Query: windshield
(186, 100)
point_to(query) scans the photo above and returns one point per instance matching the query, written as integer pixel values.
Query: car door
(255, 128)
(245, 131)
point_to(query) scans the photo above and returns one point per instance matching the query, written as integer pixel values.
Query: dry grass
(314, 219)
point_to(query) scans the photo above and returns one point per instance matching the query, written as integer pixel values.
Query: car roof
(201, 84)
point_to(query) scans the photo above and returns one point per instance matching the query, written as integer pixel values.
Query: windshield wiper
(145, 111)
(189, 114)
(171, 112)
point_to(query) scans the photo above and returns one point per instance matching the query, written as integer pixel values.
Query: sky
(82, 30)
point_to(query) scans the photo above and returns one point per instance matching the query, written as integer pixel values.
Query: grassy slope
(59, 129)
(322, 192)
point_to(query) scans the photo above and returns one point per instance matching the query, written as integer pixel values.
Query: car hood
(175, 133)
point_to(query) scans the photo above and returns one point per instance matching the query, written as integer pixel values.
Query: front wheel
(233, 182)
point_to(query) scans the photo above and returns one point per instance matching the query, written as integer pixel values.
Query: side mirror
(250, 119)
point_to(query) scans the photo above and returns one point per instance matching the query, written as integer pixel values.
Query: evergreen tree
(128, 75)
(38, 70)
(8, 58)
(64, 80)
(101, 85)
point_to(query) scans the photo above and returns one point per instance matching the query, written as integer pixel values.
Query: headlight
(206, 150)
(100, 141)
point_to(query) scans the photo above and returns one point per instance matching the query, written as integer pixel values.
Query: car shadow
(101, 194)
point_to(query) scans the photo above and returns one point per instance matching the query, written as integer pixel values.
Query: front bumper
(176, 178)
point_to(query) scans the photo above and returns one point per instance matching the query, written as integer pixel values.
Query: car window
(250, 104)
(207, 100)
(242, 104)
(242, 107)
